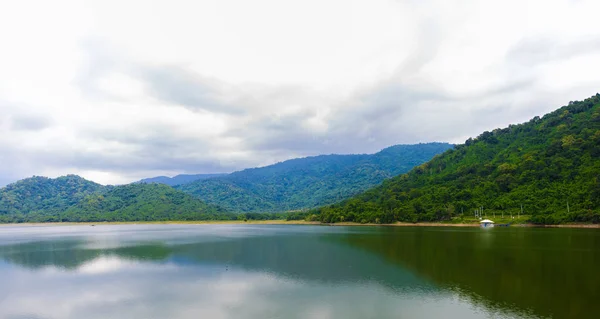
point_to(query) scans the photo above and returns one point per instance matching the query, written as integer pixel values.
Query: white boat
(486, 223)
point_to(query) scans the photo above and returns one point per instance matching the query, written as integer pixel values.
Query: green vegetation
(549, 165)
(309, 182)
(43, 197)
(256, 193)
(179, 179)
(140, 202)
(74, 199)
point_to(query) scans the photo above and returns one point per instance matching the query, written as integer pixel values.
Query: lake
(287, 271)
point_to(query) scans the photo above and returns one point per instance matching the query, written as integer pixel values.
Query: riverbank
(174, 222)
(293, 222)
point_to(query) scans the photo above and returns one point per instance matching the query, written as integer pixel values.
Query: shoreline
(291, 222)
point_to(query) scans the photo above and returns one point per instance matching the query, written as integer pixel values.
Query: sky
(116, 91)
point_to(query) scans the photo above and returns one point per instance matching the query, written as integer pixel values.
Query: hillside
(45, 196)
(179, 179)
(143, 202)
(309, 182)
(550, 165)
(72, 198)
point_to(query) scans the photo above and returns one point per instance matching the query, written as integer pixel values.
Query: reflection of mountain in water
(548, 273)
(553, 273)
(71, 254)
(311, 258)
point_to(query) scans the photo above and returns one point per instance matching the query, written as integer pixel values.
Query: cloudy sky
(119, 90)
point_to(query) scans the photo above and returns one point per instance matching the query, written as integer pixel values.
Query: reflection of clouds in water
(101, 265)
(113, 236)
(104, 265)
(109, 287)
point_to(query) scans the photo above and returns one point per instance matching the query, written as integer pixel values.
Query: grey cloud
(23, 117)
(367, 122)
(175, 85)
(284, 135)
(30, 122)
(170, 84)
(531, 51)
(273, 122)
(389, 113)
(142, 157)
(150, 152)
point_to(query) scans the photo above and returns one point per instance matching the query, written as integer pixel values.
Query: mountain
(550, 165)
(72, 198)
(143, 202)
(45, 195)
(309, 182)
(179, 179)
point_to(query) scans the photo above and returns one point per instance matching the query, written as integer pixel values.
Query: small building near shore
(486, 223)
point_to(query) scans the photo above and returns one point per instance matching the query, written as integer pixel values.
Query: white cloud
(119, 90)
(123, 289)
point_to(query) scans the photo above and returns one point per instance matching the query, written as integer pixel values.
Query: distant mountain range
(294, 184)
(178, 180)
(309, 182)
(549, 165)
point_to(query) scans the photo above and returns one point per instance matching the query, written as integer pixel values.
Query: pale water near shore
(287, 271)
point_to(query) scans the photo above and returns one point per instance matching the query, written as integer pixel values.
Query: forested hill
(72, 198)
(309, 182)
(45, 195)
(179, 179)
(543, 164)
(143, 202)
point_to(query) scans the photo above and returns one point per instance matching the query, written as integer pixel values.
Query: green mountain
(72, 198)
(143, 202)
(550, 165)
(179, 179)
(309, 182)
(42, 195)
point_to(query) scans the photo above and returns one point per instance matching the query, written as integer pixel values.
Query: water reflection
(546, 272)
(306, 258)
(291, 272)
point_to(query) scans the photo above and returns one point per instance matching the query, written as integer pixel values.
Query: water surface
(272, 271)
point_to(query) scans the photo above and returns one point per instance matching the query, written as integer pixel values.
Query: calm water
(244, 271)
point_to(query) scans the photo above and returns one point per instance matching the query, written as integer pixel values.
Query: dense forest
(139, 202)
(309, 182)
(72, 198)
(42, 196)
(550, 166)
(179, 179)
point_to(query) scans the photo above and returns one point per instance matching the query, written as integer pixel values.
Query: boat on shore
(486, 223)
